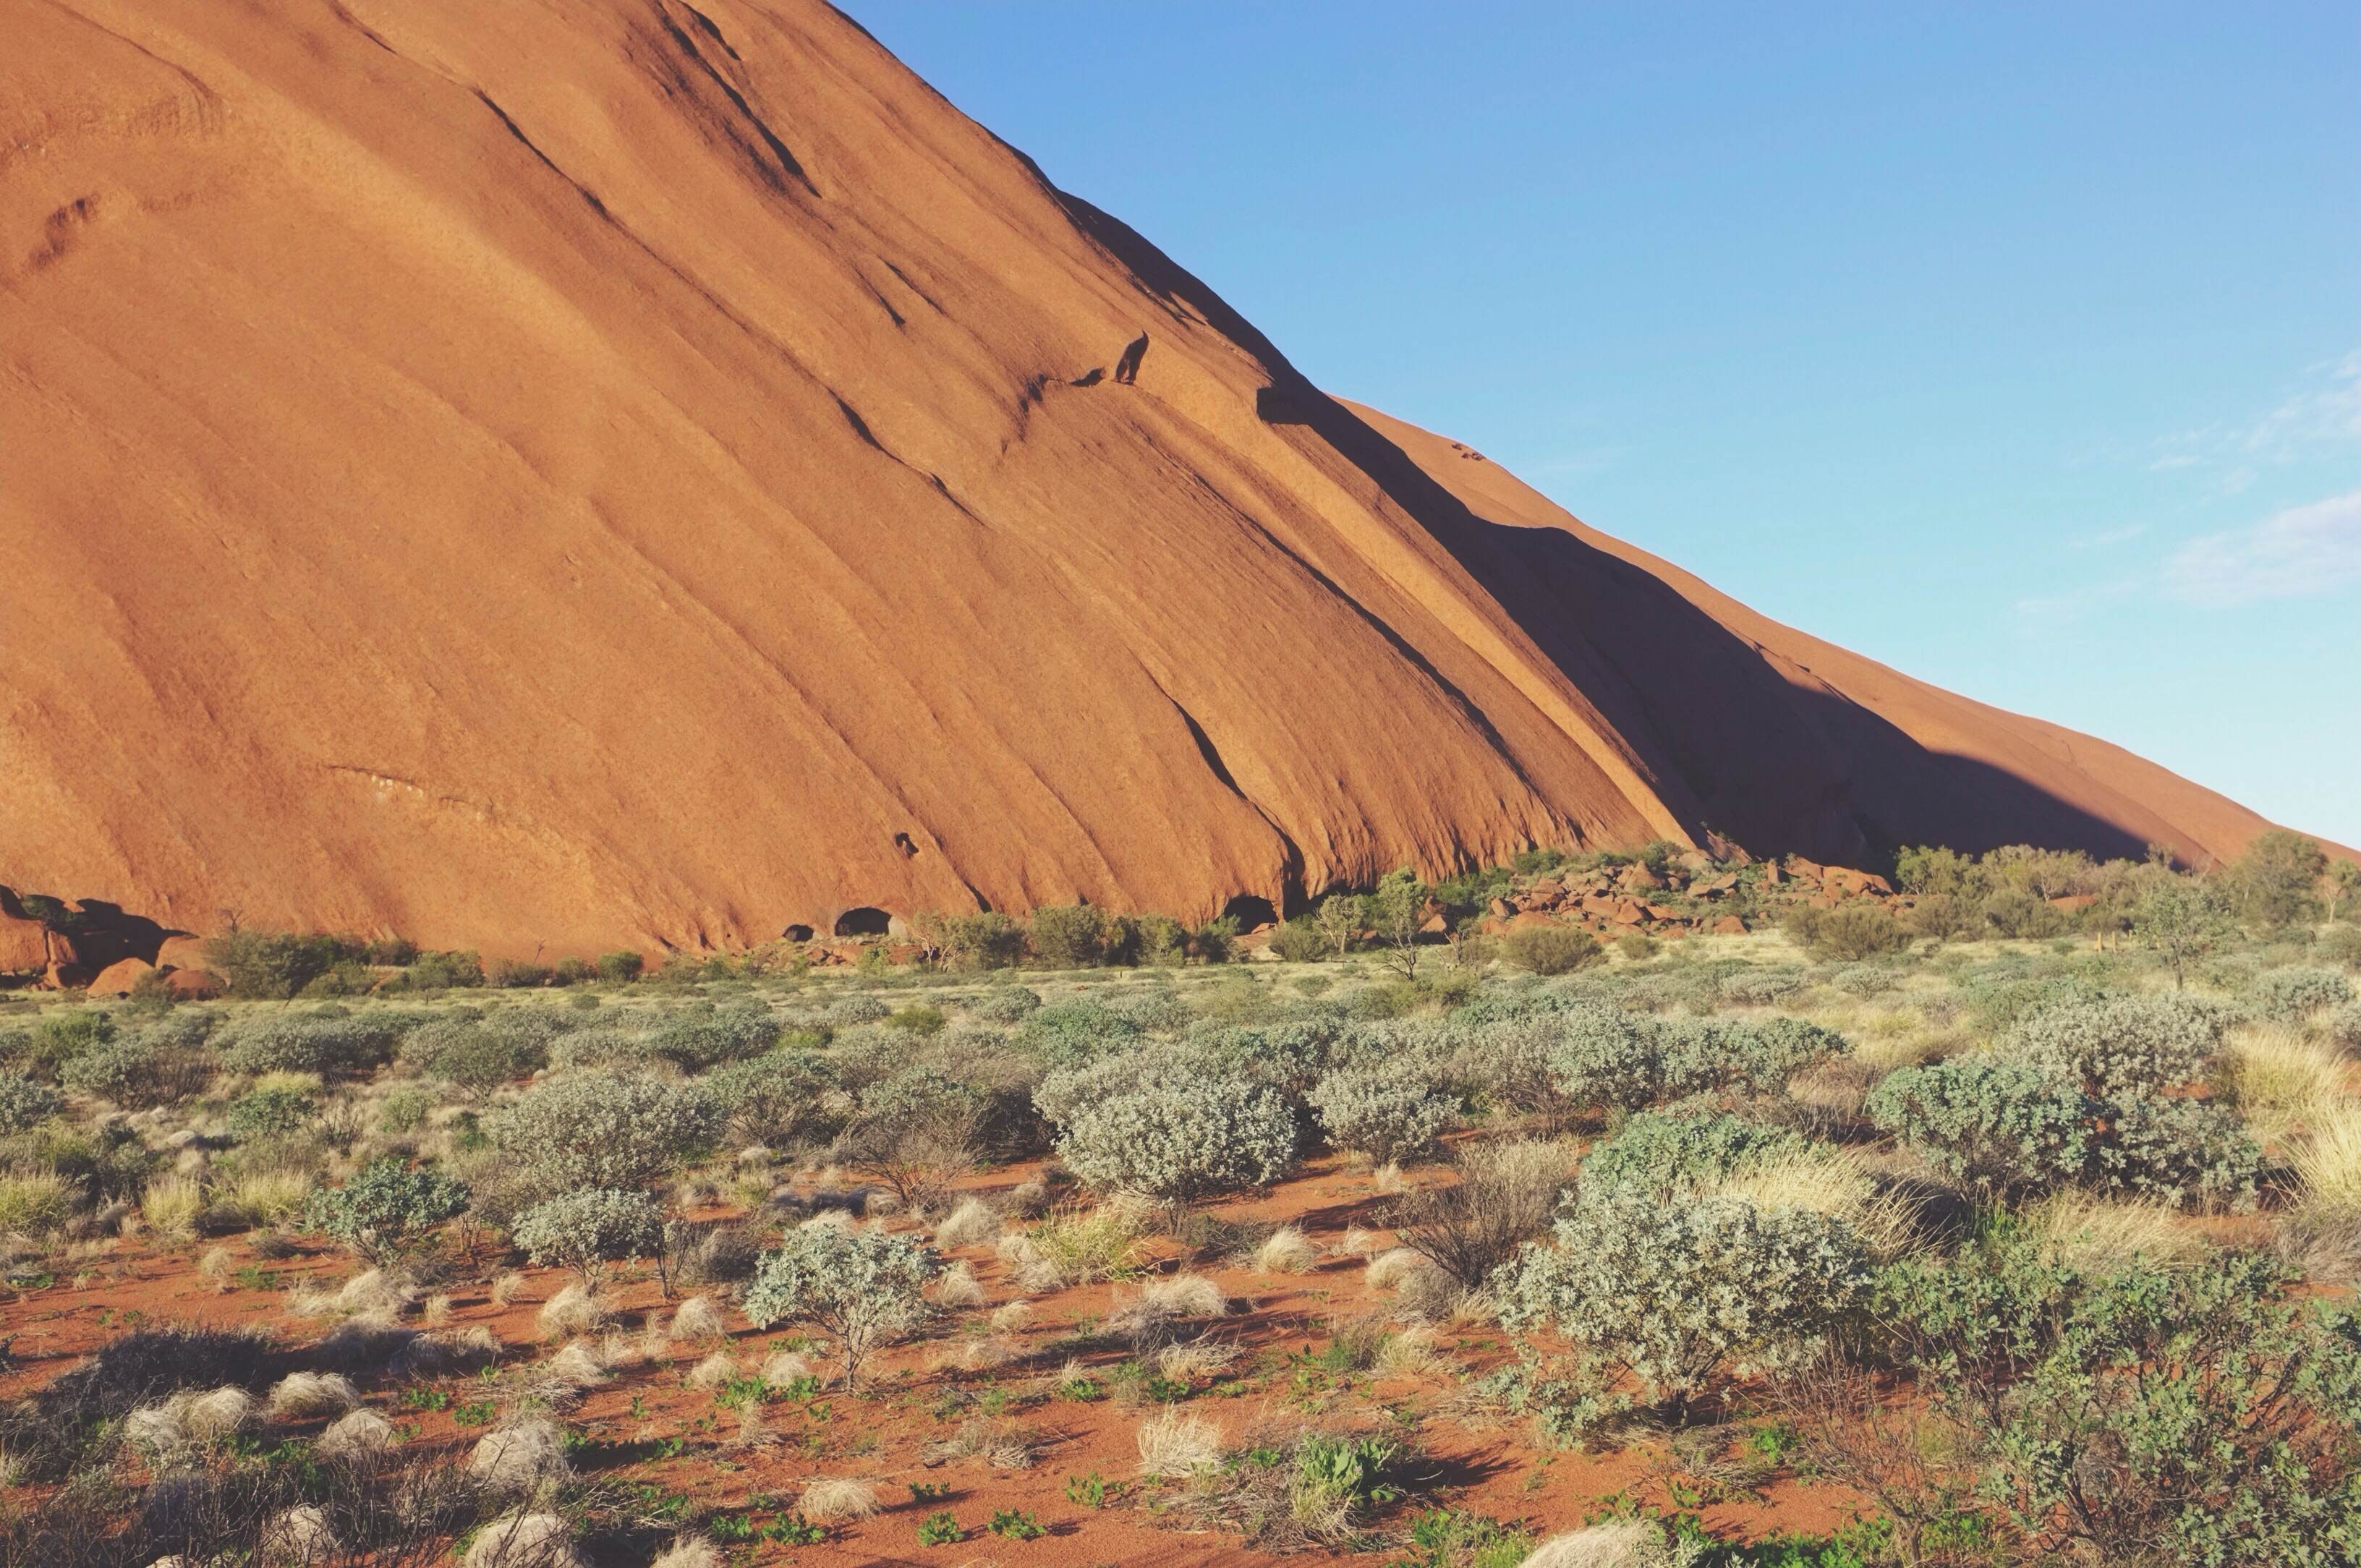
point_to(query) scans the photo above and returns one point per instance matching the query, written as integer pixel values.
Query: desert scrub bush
(1866, 979)
(124, 1070)
(2000, 1126)
(25, 1104)
(2191, 1412)
(1675, 1293)
(1854, 930)
(916, 1132)
(587, 1230)
(1603, 1055)
(780, 1097)
(1070, 935)
(864, 1287)
(1067, 1034)
(1179, 1137)
(1756, 985)
(273, 964)
(1390, 1111)
(270, 1110)
(2183, 1151)
(387, 1208)
(476, 1055)
(60, 1036)
(1550, 949)
(2343, 1028)
(700, 1041)
(1660, 1154)
(1005, 1005)
(1503, 1198)
(602, 1130)
(329, 1045)
(2118, 1045)
(2292, 994)
(1699, 1054)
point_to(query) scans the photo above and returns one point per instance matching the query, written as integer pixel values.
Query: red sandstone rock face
(24, 945)
(607, 475)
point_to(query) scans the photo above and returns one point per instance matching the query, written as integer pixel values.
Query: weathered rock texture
(591, 472)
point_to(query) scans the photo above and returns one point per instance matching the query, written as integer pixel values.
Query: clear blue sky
(2019, 347)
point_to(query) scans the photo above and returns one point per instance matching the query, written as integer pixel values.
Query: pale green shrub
(600, 1130)
(584, 1231)
(862, 1287)
(1389, 1112)
(1180, 1136)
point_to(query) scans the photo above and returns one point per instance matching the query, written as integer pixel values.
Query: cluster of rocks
(95, 945)
(1693, 893)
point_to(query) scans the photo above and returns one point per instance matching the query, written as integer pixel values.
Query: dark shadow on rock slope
(1734, 746)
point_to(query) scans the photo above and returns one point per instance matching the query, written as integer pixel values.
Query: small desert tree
(2180, 917)
(1397, 910)
(864, 1286)
(1339, 920)
(2277, 881)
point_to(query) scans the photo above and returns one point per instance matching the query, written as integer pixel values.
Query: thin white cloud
(2108, 537)
(2325, 416)
(2299, 552)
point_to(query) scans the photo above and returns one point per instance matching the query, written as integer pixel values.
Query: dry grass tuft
(2102, 1236)
(573, 1310)
(1012, 1317)
(1176, 1441)
(781, 1367)
(1623, 1543)
(2329, 1163)
(506, 1289)
(301, 1396)
(834, 1497)
(699, 1321)
(355, 1435)
(1835, 1183)
(711, 1373)
(525, 1540)
(1286, 1250)
(689, 1552)
(513, 1459)
(957, 1286)
(2281, 1079)
(970, 1224)
(170, 1206)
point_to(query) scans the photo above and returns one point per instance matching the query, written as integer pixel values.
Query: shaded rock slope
(589, 472)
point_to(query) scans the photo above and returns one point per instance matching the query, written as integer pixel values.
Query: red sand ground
(609, 473)
(1490, 1468)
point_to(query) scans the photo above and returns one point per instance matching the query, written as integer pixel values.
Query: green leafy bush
(331, 1047)
(25, 1104)
(781, 1096)
(1661, 1154)
(2192, 1413)
(603, 1130)
(2182, 1151)
(1389, 1111)
(2292, 994)
(476, 1055)
(1068, 936)
(271, 1112)
(275, 964)
(584, 1231)
(864, 1287)
(1005, 1005)
(1855, 929)
(2118, 1045)
(620, 967)
(1300, 941)
(2001, 1126)
(1550, 949)
(385, 1211)
(1180, 1135)
(1678, 1294)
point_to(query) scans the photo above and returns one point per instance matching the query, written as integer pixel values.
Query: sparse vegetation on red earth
(2029, 1236)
